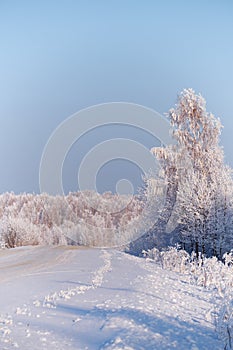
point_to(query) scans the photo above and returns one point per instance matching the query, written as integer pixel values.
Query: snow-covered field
(77, 298)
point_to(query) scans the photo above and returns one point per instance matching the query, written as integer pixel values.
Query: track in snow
(68, 298)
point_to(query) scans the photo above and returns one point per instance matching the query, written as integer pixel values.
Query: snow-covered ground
(72, 298)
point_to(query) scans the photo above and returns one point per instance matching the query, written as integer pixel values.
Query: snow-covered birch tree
(199, 184)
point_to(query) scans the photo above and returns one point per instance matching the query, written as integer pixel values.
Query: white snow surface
(61, 298)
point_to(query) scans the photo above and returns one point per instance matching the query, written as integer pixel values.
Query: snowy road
(68, 298)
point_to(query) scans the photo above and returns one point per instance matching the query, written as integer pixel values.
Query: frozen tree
(204, 196)
(199, 191)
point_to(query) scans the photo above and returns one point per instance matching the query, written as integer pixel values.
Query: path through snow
(61, 298)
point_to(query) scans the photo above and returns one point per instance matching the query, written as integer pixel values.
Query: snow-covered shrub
(153, 254)
(171, 259)
(15, 232)
(18, 232)
(174, 259)
(225, 321)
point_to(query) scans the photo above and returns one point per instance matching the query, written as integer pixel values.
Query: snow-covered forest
(30, 219)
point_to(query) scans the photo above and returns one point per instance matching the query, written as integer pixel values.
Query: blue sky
(57, 57)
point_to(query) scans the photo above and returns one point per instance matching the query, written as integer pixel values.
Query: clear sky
(57, 57)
